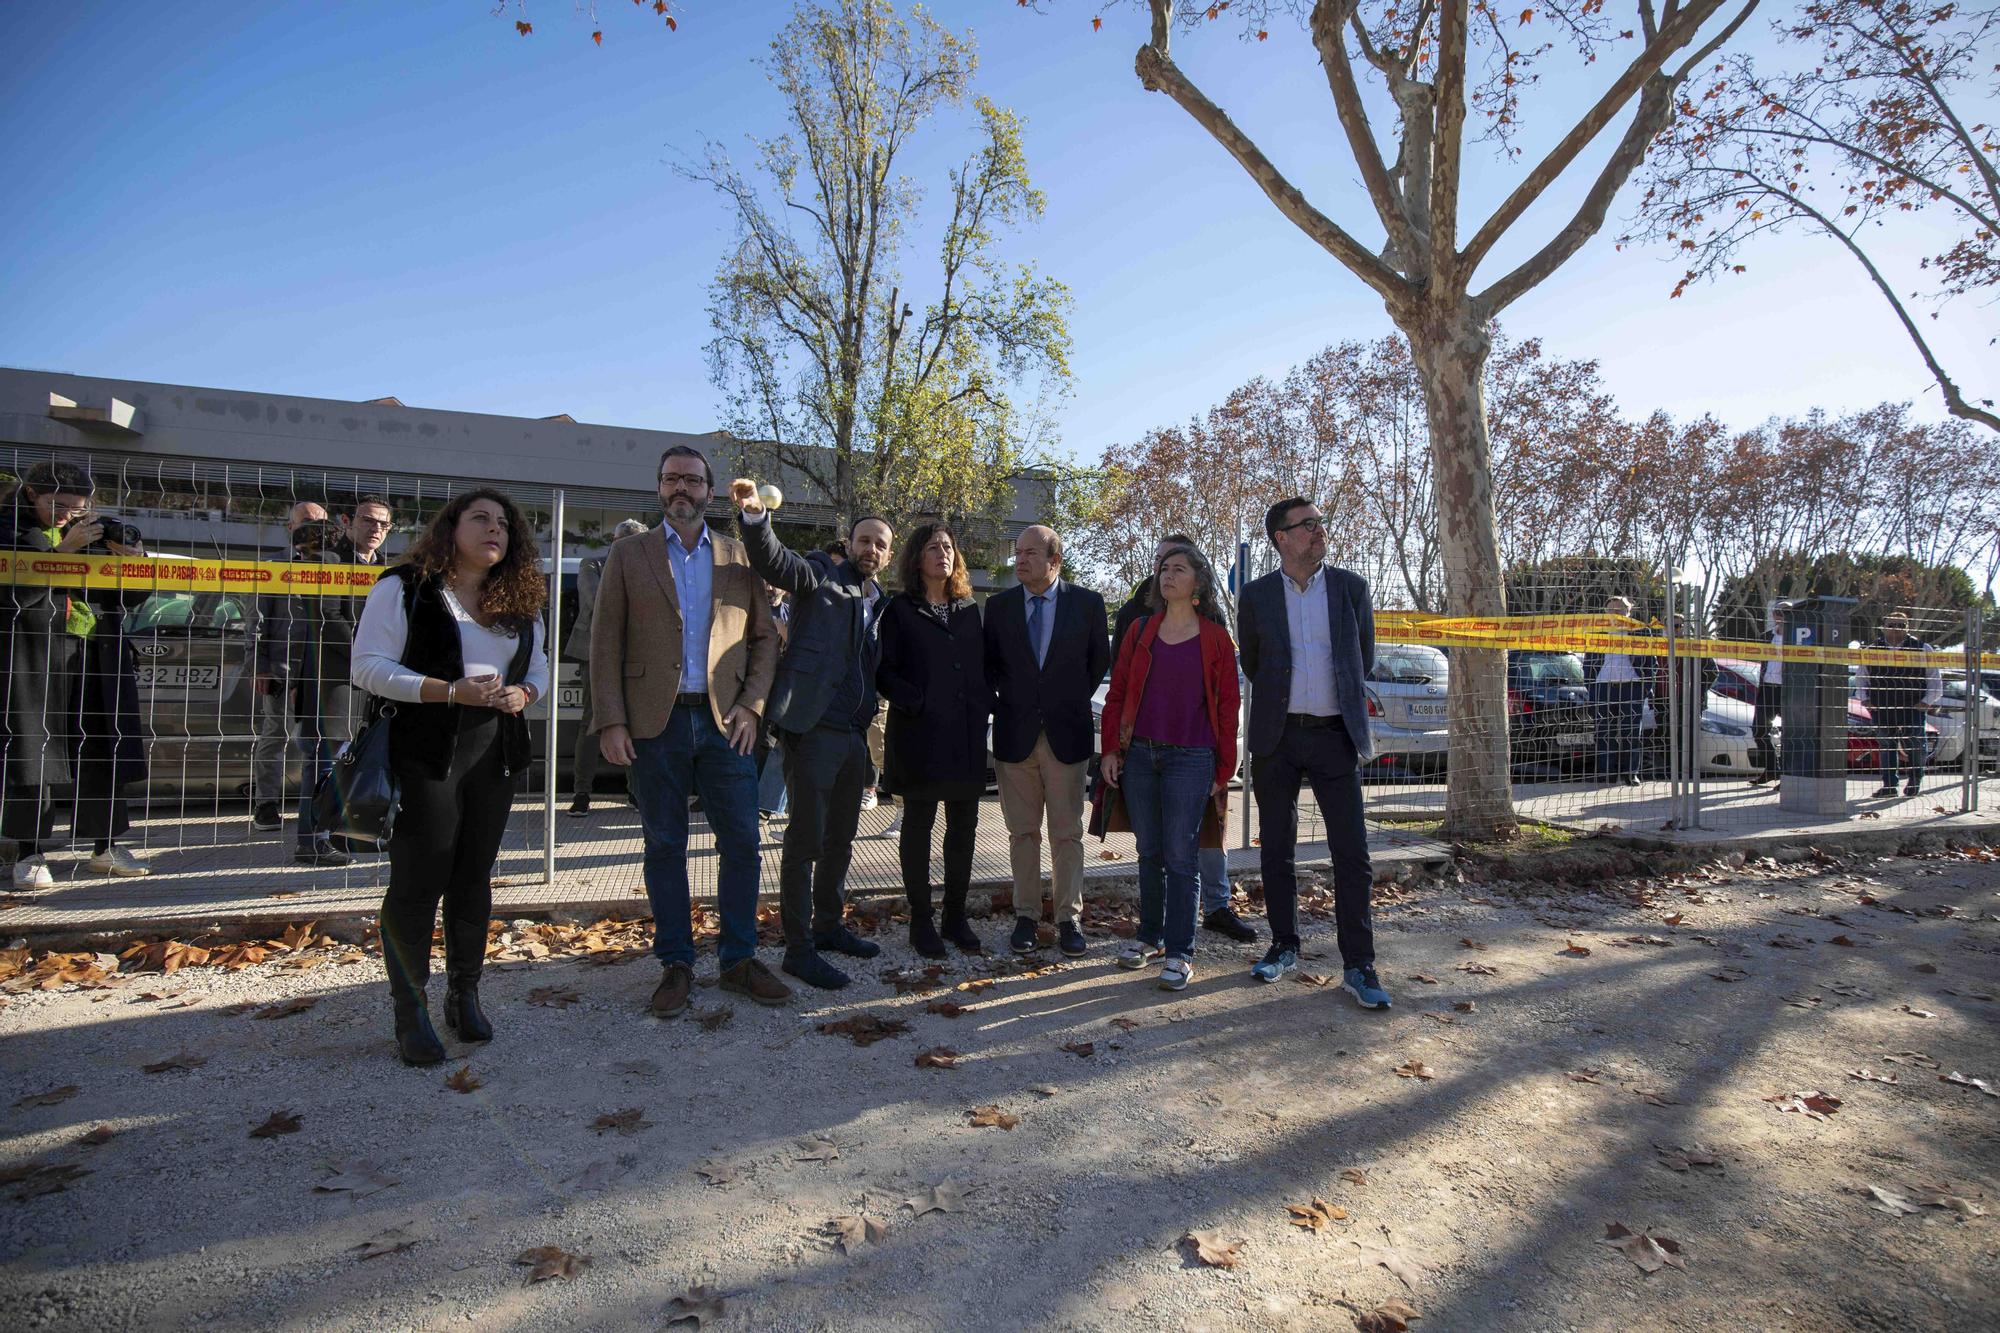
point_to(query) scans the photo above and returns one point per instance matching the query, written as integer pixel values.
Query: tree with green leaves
(885, 392)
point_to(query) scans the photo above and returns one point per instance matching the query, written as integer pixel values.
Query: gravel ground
(1479, 1196)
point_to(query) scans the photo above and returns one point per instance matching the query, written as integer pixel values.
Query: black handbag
(357, 803)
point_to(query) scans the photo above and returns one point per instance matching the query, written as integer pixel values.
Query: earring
(1197, 601)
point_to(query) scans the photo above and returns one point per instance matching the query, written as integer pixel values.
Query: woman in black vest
(933, 674)
(453, 639)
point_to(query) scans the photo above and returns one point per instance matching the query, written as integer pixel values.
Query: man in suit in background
(822, 704)
(1046, 652)
(682, 651)
(576, 648)
(1212, 863)
(1306, 638)
(1620, 684)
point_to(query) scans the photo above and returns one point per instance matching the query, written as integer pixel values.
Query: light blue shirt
(1312, 646)
(694, 580)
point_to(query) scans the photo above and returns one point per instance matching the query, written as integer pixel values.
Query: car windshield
(1410, 663)
(1552, 668)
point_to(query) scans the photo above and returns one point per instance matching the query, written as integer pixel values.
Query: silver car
(1408, 706)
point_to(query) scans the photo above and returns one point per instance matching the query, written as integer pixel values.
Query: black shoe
(416, 1040)
(266, 819)
(846, 941)
(815, 971)
(1912, 789)
(1070, 940)
(1760, 779)
(1023, 938)
(959, 932)
(1886, 789)
(924, 937)
(320, 854)
(462, 1014)
(581, 805)
(1631, 779)
(1224, 921)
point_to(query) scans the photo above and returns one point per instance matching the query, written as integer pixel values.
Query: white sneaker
(32, 872)
(1176, 974)
(895, 824)
(869, 799)
(118, 862)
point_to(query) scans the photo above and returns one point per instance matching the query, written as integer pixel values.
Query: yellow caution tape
(38, 569)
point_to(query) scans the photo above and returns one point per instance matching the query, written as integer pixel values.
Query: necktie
(1038, 627)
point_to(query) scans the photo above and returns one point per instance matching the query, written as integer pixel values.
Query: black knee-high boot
(956, 928)
(464, 953)
(409, 964)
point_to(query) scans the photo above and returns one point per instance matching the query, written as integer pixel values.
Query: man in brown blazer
(682, 653)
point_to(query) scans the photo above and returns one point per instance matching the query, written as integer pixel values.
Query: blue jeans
(1900, 728)
(1165, 788)
(1213, 872)
(1620, 706)
(692, 754)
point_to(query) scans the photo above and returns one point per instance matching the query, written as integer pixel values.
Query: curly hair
(515, 588)
(910, 572)
(1206, 603)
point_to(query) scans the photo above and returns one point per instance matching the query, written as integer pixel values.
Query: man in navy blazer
(1046, 651)
(1306, 639)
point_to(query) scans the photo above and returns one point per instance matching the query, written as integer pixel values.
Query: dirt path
(1487, 1186)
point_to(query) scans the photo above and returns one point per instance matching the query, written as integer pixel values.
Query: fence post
(1975, 694)
(1700, 696)
(554, 700)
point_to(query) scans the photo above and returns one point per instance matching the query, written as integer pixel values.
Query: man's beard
(869, 564)
(686, 507)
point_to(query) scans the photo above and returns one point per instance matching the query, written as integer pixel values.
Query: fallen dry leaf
(1479, 969)
(1893, 1204)
(1816, 1105)
(1211, 1249)
(1084, 1049)
(1316, 1215)
(1674, 920)
(700, 1304)
(51, 1097)
(38, 1178)
(1427, 980)
(946, 1008)
(624, 1123)
(1729, 973)
(1691, 1158)
(1465, 1006)
(711, 1020)
(1583, 1075)
(1917, 1058)
(279, 1122)
(1870, 1076)
(817, 1148)
(1388, 1317)
(947, 1196)
(1654, 1097)
(182, 1060)
(865, 1029)
(96, 1137)
(851, 1229)
(463, 1079)
(1354, 1175)
(357, 1181)
(1471, 944)
(1574, 950)
(1124, 1024)
(554, 997)
(1650, 1253)
(287, 1008)
(1915, 1013)
(992, 1117)
(1044, 1089)
(549, 1261)
(1413, 1069)
(1305, 978)
(938, 1057)
(393, 1241)
(715, 1172)
(1964, 1082)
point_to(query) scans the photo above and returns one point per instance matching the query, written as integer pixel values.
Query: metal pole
(554, 699)
(1243, 702)
(1675, 810)
(1974, 692)
(1700, 697)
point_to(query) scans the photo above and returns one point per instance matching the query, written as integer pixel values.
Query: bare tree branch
(1446, 147)
(1329, 17)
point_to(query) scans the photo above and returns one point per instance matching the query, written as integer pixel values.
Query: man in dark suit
(1046, 652)
(1307, 642)
(1212, 865)
(821, 704)
(1620, 684)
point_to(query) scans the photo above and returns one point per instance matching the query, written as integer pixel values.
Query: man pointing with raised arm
(822, 703)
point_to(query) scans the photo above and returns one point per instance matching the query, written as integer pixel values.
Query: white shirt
(1312, 646)
(1774, 670)
(1615, 669)
(384, 630)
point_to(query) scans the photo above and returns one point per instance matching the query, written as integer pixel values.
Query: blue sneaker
(1365, 987)
(1277, 961)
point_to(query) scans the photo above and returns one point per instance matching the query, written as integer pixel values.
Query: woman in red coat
(1170, 746)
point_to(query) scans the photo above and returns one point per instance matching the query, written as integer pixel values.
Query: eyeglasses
(382, 523)
(683, 479)
(1315, 524)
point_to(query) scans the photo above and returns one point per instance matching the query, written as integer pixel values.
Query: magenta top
(1174, 710)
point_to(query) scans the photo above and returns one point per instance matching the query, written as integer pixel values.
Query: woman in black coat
(70, 715)
(933, 674)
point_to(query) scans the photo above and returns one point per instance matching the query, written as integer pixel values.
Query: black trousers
(1770, 701)
(1325, 757)
(447, 838)
(961, 822)
(586, 758)
(826, 770)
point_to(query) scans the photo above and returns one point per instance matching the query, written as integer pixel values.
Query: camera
(115, 530)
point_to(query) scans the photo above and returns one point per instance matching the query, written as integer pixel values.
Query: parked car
(1549, 718)
(1408, 709)
(197, 691)
(1949, 716)
(1737, 679)
(1724, 746)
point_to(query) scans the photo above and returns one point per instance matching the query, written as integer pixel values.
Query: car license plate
(569, 696)
(1429, 710)
(1575, 738)
(180, 677)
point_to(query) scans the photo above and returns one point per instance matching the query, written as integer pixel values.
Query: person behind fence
(452, 638)
(822, 704)
(588, 753)
(1770, 702)
(272, 686)
(1169, 744)
(71, 716)
(1619, 684)
(1308, 633)
(1897, 698)
(683, 651)
(933, 675)
(318, 639)
(1046, 652)
(1217, 913)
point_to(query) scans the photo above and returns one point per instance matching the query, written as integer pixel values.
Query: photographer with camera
(71, 709)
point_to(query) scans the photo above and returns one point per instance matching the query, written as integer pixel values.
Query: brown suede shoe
(671, 999)
(753, 979)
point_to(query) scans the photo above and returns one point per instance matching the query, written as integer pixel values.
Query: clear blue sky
(371, 198)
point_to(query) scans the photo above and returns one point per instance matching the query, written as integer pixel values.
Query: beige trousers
(1037, 784)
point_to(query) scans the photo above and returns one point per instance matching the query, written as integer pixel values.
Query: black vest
(1898, 686)
(422, 736)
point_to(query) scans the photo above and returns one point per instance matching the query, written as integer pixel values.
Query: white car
(1725, 735)
(1948, 716)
